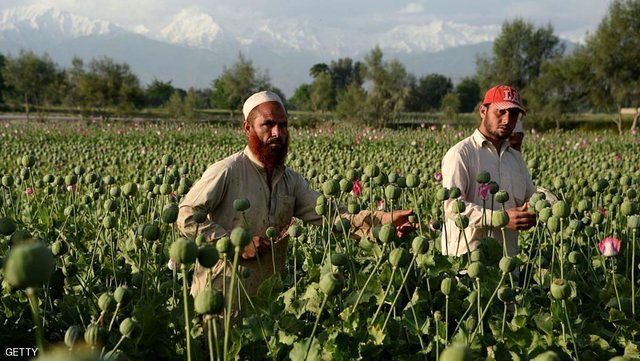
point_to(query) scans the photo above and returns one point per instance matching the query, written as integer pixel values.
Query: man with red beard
(276, 194)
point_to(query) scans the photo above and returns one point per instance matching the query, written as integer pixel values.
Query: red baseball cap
(504, 97)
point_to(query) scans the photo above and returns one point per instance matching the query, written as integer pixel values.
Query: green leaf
(268, 293)
(299, 351)
(544, 322)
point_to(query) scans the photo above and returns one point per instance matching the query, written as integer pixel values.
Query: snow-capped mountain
(435, 36)
(191, 27)
(38, 21)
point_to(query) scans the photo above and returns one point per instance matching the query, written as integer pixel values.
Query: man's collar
(480, 140)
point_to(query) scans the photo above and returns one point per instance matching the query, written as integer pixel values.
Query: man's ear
(246, 125)
(483, 111)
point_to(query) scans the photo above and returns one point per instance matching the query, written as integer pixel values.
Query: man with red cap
(488, 150)
(276, 193)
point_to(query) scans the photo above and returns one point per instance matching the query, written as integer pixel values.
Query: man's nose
(276, 131)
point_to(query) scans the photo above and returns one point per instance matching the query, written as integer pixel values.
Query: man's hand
(520, 218)
(400, 220)
(259, 244)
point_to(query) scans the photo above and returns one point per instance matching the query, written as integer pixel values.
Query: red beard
(270, 156)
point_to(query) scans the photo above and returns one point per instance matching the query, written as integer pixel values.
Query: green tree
(31, 79)
(2, 85)
(174, 107)
(158, 92)
(450, 106)
(389, 88)
(427, 93)
(104, 86)
(317, 69)
(613, 52)
(192, 103)
(351, 103)
(301, 99)
(518, 54)
(237, 83)
(468, 91)
(345, 71)
(322, 94)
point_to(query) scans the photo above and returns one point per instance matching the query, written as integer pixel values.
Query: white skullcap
(259, 98)
(518, 128)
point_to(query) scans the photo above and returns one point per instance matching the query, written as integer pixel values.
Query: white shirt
(460, 165)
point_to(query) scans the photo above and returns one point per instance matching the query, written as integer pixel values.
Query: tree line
(600, 75)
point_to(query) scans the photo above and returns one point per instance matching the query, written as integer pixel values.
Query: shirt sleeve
(206, 193)
(305, 206)
(456, 174)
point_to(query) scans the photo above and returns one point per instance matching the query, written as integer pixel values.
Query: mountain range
(193, 48)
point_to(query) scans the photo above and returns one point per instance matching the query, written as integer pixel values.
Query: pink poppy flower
(484, 189)
(28, 191)
(380, 204)
(72, 188)
(609, 246)
(603, 212)
(357, 188)
(437, 176)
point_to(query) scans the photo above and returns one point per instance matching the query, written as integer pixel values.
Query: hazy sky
(570, 18)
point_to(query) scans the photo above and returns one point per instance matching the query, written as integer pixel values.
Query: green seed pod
(507, 264)
(476, 256)
(442, 194)
(561, 210)
(330, 188)
(244, 272)
(20, 236)
(200, 240)
(184, 251)
(628, 208)
(271, 233)
(208, 256)
(110, 205)
(545, 214)
(584, 205)
(462, 221)
(574, 257)
(633, 222)
(471, 322)
(399, 257)
(472, 297)
(445, 286)
(436, 224)
(70, 269)
(502, 197)
(199, 216)
(420, 245)
(371, 171)
(7, 226)
(223, 245)
(413, 180)
(494, 187)
(151, 232)
(475, 269)
(240, 237)
(71, 179)
(560, 290)
(387, 233)
(28, 160)
(95, 335)
(345, 185)
(339, 259)
(130, 189)
(483, 177)
(29, 265)
(331, 284)
(596, 218)
(506, 294)
(122, 295)
(392, 192)
(589, 231)
(456, 352)
(165, 189)
(128, 327)
(353, 207)
(209, 301)
(72, 334)
(167, 160)
(109, 222)
(321, 209)
(458, 206)
(241, 205)
(294, 231)
(454, 193)
(59, 248)
(342, 225)
(499, 219)
(553, 223)
(170, 213)
(106, 302)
